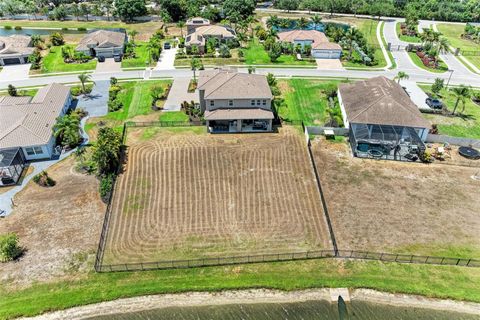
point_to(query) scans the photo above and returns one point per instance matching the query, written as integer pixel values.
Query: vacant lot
(186, 195)
(59, 227)
(400, 207)
(453, 32)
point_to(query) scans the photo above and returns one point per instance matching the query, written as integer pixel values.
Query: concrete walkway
(178, 94)
(95, 103)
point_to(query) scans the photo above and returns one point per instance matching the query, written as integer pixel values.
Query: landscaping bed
(54, 62)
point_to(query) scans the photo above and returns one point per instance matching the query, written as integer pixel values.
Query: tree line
(445, 10)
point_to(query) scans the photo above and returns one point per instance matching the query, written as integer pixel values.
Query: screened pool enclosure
(12, 164)
(386, 142)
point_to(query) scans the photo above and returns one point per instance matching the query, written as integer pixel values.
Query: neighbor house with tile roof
(103, 43)
(235, 102)
(199, 30)
(383, 120)
(321, 47)
(27, 123)
(15, 49)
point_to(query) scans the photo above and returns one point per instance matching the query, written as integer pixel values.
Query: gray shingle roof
(32, 123)
(380, 101)
(320, 41)
(101, 39)
(225, 84)
(15, 44)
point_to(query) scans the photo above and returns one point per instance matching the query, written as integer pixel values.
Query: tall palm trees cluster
(434, 44)
(286, 23)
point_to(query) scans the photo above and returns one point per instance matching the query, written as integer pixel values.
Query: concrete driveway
(15, 72)
(417, 95)
(331, 64)
(108, 66)
(167, 60)
(178, 94)
(95, 103)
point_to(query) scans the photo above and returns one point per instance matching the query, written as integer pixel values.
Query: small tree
(9, 247)
(84, 77)
(438, 86)
(157, 92)
(181, 25)
(461, 93)
(113, 81)
(195, 64)
(12, 91)
(132, 34)
(67, 130)
(106, 152)
(401, 76)
(56, 39)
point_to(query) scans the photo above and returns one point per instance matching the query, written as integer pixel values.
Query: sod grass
(453, 33)
(53, 62)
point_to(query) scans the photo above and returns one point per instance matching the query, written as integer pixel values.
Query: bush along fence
(336, 253)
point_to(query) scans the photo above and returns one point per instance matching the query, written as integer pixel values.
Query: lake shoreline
(255, 296)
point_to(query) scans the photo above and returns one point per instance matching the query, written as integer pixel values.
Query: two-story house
(235, 102)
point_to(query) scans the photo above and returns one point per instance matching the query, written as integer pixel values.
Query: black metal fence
(285, 257)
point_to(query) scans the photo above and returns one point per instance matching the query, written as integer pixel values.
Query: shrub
(114, 105)
(426, 157)
(12, 91)
(18, 28)
(35, 58)
(81, 29)
(113, 92)
(56, 39)
(8, 27)
(9, 248)
(64, 29)
(106, 186)
(76, 91)
(42, 179)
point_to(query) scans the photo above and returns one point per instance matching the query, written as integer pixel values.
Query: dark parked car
(167, 45)
(117, 57)
(434, 103)
(101, 59)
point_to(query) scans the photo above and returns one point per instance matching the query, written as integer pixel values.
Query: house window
(252, 102)
(264, 102)
(212, 103)
(31, 151)
(258, 102)
(230, 103)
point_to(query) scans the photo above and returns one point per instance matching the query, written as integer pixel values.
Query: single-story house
(383, 121)
(235, 102)
(15, 49)
(103, 43)
(199, 33)
(321, 47)
(27, 123)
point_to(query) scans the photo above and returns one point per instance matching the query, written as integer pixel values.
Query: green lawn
(179, 116)
(140, 61)
(411, 39)
(53, 62)
(209, 62)
(453, 33)
(21, 92)
(368, 27)
(136, 100)
(465, 126)
(305, 100)
(434, 281)
(442, 67)
(255, 54)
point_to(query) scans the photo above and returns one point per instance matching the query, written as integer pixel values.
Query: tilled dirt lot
(187, 195)
(400, 207)
(59, 227)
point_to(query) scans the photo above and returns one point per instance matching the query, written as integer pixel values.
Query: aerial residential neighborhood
(239, 159)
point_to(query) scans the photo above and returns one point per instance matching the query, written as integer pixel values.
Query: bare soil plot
(190, 195)
(400, 207)
(59, 227)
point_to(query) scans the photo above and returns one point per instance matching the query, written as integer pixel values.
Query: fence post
(468, 262)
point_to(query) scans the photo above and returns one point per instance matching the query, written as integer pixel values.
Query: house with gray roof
(15, 49)
(105, 43)
(27, 123)
(321, 47)
(235, 102)
(199, 30)
(383, 120)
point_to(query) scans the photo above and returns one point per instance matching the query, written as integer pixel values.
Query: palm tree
(181, 25)
(67, 130)
(302, 23)
(36, 40)
(84, 77)
(461, 93)
(195, 64)
(132, 34)
(350, 37)
(401, 76)
(316, 20)
(273, 21)
(443, 45)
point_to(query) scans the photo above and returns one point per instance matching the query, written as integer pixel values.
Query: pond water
(310, 310)
(29, 32)
(311, 26)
